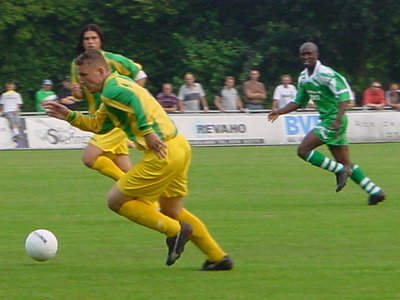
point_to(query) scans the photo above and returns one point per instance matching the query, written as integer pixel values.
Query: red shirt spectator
(374, 96)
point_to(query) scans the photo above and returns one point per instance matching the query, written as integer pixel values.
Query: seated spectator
(44, 94)
(168, 99)
(228, 98)
(374, 96)
(393, 96)
(284, 93)
(254, 91)
(65, 97)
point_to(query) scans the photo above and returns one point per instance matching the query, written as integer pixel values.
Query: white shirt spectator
(284, 95)
(11, 101)
(191, 96)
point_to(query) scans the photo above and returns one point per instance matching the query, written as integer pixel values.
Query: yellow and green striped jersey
(129, 106)
(117, 63)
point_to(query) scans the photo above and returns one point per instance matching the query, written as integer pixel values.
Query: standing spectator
(191, 95)
(228, 98)
(44, 94)
(254, 91)
(167, 98)
(284, 93)
(374, 96)
(10, 105)
(393, 96)
(65, 97)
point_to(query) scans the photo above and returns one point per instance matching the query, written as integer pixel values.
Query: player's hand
(67, 100)
(273, 115)
(336, 126)
(155, 144)
(55, 109)
(75, 88)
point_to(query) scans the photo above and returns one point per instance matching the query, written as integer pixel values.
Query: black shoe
(224, 264)
(15, 138)
(376, 198)
(176, 244)
(341, 179)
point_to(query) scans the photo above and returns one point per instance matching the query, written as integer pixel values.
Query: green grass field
(290, 234)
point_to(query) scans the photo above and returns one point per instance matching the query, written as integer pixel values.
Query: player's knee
(113, 205)
(302, 153)
(170, 212)
(88, 161)
(171, 207)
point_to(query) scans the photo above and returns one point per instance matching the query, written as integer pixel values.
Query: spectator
(44, 94)
(228, 98)
(65, 97)
(393, 96)
(168, 99)
(374, 97)
(191, 95)
(284, 93)
(10, 105)
(254, 91)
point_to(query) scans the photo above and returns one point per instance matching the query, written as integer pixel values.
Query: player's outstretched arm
(275, 113)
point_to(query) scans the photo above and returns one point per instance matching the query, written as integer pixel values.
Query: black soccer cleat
(224, 264)
(176, 244)
(376, 198)
(341, 179)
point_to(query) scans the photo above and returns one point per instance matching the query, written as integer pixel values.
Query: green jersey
(327, 89)
(42, 95)
(116, 62)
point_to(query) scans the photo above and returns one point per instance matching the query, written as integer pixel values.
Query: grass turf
(290, 234)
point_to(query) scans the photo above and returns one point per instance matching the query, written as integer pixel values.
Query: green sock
(319, 160)
(363, 181)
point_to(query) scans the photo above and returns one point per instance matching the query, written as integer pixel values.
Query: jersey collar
(316, 70)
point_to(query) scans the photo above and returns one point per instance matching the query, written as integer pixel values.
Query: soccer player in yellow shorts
(107, 153)
(162, 172)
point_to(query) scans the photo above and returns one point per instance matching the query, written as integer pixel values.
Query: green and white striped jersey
(327, 88)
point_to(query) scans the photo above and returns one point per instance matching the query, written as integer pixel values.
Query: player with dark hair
(331, 93)
(107, 153)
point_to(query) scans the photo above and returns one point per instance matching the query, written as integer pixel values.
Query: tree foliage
(212, 39)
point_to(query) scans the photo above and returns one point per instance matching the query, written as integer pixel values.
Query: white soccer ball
(41, 245)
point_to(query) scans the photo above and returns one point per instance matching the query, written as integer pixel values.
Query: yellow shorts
(152, 178)
(115, 141)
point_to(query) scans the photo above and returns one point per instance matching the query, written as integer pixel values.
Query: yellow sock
(143, 213)
(201, 237)
(108, 168)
